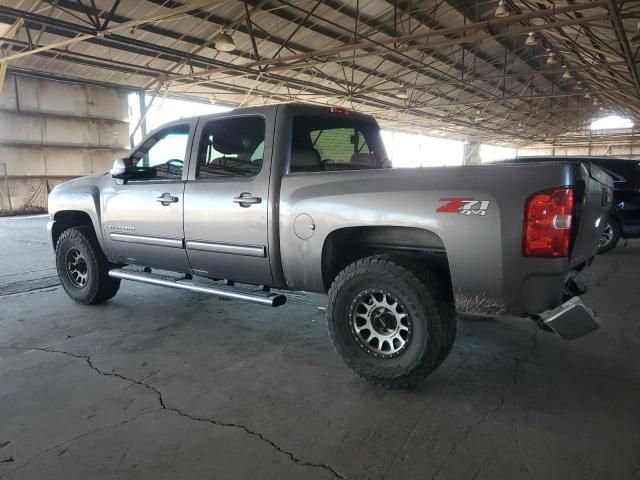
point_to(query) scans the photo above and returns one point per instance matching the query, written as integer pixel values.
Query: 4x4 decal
(464, 206)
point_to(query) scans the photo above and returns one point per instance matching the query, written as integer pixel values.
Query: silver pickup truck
(299, 197)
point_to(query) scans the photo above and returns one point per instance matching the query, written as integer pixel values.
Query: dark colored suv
(624, 219)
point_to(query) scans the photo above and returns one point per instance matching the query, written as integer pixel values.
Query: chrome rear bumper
(571, 320)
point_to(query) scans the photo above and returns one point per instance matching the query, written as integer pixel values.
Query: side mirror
(119, 168)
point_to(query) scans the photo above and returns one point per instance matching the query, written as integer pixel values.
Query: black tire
(610, 236)
(429, 315)
(446, 305)
(86, 281)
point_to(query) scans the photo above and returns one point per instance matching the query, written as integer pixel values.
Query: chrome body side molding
(145, 240)
(230, 248)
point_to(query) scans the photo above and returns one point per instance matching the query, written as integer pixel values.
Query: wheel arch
(64, 219)
(346, 245)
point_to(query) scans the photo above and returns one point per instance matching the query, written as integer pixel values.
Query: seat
(306, 161)
(363, 160)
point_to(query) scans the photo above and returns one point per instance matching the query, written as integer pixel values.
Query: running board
(223, 291)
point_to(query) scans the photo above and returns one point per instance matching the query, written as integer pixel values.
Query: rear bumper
(572, 319)
(545, 289)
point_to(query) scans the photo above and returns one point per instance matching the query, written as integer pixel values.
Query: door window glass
(162, 156)
(231, 147)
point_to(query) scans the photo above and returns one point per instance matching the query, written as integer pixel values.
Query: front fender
(79, 196)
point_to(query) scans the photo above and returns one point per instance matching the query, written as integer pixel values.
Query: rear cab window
(329, 143)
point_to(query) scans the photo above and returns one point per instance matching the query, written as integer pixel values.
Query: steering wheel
(172, 165)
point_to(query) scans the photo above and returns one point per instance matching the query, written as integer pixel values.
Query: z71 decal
(464, 206)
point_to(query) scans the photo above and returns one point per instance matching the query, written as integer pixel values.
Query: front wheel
(610, 236)
(82, 267)
(391, 322)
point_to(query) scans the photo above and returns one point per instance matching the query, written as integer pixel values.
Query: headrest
(230, 142)
(363, 159)
(244, 156)
(305, 160)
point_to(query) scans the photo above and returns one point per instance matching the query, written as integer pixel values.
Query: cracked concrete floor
(167, 384)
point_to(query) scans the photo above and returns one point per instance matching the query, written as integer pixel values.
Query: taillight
(547, 223)
(337, 110)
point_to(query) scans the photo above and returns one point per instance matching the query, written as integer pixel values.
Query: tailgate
(594, 200)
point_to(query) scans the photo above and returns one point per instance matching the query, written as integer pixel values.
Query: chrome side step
(235, 293)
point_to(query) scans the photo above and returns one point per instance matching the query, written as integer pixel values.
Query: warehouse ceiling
(520, 72)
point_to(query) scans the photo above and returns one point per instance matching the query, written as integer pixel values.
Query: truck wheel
(82, 267)
(391, 323)
(610, 236)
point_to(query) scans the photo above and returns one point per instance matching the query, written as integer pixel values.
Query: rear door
(591, 211)
(143, 216)
(227, 199)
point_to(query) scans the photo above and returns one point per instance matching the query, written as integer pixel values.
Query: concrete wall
(52, 131)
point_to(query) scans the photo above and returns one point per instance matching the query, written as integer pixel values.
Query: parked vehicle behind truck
(298, 197)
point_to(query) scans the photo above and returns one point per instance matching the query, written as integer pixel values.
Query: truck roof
(299, 108)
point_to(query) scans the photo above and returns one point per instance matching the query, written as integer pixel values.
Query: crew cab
(299, 197)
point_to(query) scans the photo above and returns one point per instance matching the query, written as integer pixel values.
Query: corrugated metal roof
(462, 77)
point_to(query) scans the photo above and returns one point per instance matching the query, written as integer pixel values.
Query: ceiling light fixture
(402, 93)
(532, 40)
(503, 10)
(635, 40)
(224, 42)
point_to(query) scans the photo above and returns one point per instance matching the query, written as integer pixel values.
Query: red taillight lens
(337, 110)
(547, 223)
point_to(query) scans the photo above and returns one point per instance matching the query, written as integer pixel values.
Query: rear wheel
(391, 322)
(610, 236)
(82, 267)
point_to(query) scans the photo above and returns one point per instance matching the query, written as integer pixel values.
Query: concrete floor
(162, 384)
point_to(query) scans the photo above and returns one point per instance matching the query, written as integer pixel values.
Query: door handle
(246, 199)
(167, 199)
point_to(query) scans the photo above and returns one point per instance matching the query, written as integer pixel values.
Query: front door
(226, 200)
(143, 215)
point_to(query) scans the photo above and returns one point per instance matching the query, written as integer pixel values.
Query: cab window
(231, 147)
(339, 145)
(329, 143)
(162, 155)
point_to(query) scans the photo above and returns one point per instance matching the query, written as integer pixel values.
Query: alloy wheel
(380, 323)
(607, 235)
(77, 269)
